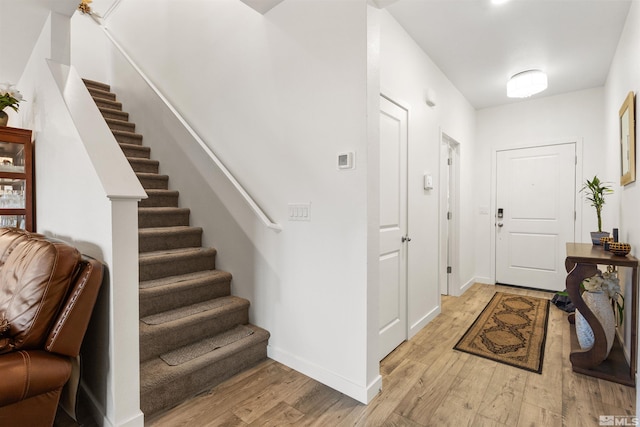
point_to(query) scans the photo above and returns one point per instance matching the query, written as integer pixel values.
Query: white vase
(600, 305)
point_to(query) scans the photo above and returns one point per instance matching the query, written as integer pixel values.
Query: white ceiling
(479, 45)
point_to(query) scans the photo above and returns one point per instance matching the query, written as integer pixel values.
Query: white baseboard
(98, 415)
(416, 327)
(361, 393)
(484, 280)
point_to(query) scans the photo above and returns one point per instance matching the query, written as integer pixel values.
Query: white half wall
(87, 195)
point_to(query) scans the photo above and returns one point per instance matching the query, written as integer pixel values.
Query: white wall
(406, 74)
(624, 76)
(575, 116)
(276, 97)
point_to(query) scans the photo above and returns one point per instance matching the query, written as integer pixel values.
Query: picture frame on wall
(627, 141)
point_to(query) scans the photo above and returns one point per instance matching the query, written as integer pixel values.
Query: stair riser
(170, 393)
(159, 183)
(169, 219)
(138, 152)
(155, 302)
(114, 114)
(147, 167)
(163, 339)
(176, 266)
(105, 103)
(160, 201)
(166, 242)
(125, 126)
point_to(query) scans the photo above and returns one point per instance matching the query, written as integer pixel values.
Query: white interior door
(393, 226)
(535, 215)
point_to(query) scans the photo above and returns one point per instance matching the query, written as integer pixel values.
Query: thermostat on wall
(346, 160)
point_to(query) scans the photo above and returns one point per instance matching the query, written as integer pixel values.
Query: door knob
(406, 239)
(500, 224)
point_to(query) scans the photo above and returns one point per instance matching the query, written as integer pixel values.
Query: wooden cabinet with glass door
(16, 178)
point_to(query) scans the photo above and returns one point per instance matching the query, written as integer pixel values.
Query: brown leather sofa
(47, 293)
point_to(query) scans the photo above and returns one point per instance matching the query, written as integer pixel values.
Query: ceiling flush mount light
(499, 1)
(526, 83)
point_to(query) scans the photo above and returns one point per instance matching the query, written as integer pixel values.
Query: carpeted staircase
(193, 333)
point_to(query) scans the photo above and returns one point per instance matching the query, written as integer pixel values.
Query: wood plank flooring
(425, 383)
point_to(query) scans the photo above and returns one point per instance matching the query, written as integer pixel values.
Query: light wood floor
(425, 383)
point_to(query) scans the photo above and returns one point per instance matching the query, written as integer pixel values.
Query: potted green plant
(596, 190)
(9, 97)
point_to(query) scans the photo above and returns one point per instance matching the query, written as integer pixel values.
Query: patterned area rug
(511, 329)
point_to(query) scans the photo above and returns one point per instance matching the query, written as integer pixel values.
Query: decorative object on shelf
(606, 241)
(595, 191)
(9, 97)
(627, 141)
(84, 6)
(600, 290)
(615, 234)
(619, 248)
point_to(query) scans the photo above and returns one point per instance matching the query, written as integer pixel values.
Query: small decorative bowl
(604, 240)
(618, 248)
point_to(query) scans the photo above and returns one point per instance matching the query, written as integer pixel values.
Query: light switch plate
(299, 212)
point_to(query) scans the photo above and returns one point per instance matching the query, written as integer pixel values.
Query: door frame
(449, 230)
(494, 185)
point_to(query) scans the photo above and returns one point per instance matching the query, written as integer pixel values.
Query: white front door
(535, 215)
(393, 226)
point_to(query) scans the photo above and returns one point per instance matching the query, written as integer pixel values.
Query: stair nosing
(143, 160)
(213, 275)
(235, 305)
(153, 255)
(170, 229)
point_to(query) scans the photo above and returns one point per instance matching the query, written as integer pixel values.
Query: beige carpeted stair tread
(162, 216)
(192, 310)
(107, 103)
(169, 230)
(164, 256)
(190, 324)
(163, 386)
(164, 238)
(157, 371)
(97, 85)
(216, 275)
(153, 180)
(127, 137)
(177, 291)
(101, 94)
(110, 113)
(189, 352)
(134, 146)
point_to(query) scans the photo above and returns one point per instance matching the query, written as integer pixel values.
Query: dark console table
(582, 261)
